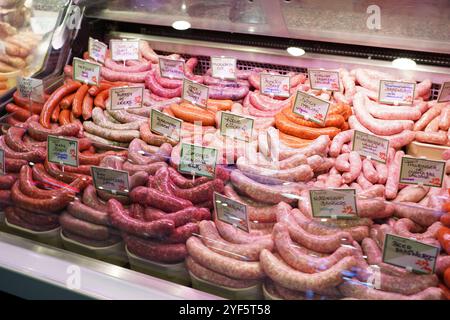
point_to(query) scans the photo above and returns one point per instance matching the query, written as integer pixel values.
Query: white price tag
(123, 50)
(223, 68)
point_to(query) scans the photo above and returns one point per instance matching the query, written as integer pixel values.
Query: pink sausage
(355, 168)
(156, 88)
(369, 171)
(338, 141)
(342, 163)
(393, 177)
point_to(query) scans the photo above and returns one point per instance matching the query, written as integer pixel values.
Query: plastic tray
(420, 149)
(267, 295)
(114, 254)
(176, 272)
(250, 293)
(51, 237)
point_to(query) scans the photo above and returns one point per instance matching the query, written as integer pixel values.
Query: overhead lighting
(295, 51)
(251, 29)
(181, 25)
(404, 63)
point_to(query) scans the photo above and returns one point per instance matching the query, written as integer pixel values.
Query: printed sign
(324, 80)
(173, 69)
(444, 93)
(123, 50)
(126, 97)
(311, 108)
(410, 254)
(333, 203)
(421, 171)
(198, 160)
(114, 181)
(31, 88)
(2, 162)
(223, 67)
(231, 212)
(86, 71)
(165, 125)
(97, 50)
(368, 145)
(275, 85)
(63, 151)
(195, 93)
(236, 126)
(396, 92)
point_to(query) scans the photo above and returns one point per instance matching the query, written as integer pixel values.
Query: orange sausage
(94, 90)
(36, 107)
(294, 129)
(332, 120)
(345, 126)
(66, 103)
(54, 100)
(64, 117)
(20, 114)
(190, 113)
(293, 142)
(86, 109)
(100, 98)
(55, 114)
(78, 100)
(168, 111)
(222, 105)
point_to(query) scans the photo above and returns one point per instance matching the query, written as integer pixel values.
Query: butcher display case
(168, 232)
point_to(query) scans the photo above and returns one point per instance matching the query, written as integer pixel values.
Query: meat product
(91, 242)
(45, 220)
(40, 133)
(235, 235)
(355, 167)
(420, 215)
(439, 137)
(84, 212)
(412, 193)
(427, 117)
(408, 229)
(181, 233)
(37, 155)
(224, 93)
(200, 193)
(338, 141)
(382, 171)
(342, 164)
(148, 168)
(369, 171)
(90, 199)
(180, 181)
(99, 119)
(14, 219)
(154, 86)
(83, 228)
(116, 135)
(394, 176)
(386, 112)
(7, 181)
(157, 199)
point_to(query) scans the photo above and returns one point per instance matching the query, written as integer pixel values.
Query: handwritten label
(63, 151)
(223, 68)
(444, 93)
(231, 212)
(368, 145)
(165, 125)
(333, 203)
(421, 171)
(126, 97)
(31, 88)
(2, 162)
(275, 85)
(122, 50)
(396, 92)
(198, 160)
(173, 69)
(236, 126)
(324, 80)
(97, 50)
(311, 108)
(195, 93)
(111, 180)
(410, 254)
(86, 71)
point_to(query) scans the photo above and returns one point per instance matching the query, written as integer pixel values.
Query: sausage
(355, 167)
(342, 164)
(137, 155)
(433, 126)
(420, 215)
(412, 193)
(95, 159)
(166, 82)
(100, 119)
(382, 171)
(427, 117)
(152, 138)
(54, 100)
(123, 116)
(155, 251)
(122, 221)
(200, 193)
(140, 67)
(65, 176)
(40, 220)
(408, 229)
(369, 171)
(134, 77)
(193, 114)
(318, 282)
(116, 135)
(90, 199)
(179, 218)
(439, 137)
(227, 93)
(180, 181)
(149, 168)
(444, 121)
(181, 233)
(19, 113)
(14, 219)
(152, 84)
(13, 139)
(386, 112)
(211, 276)
(91, 242)
(222, 264)
(147, 52)
(265, 103)
(332, 119)
(394, 175)
(83, 228)
(39, 133)
(374, 257)
(105, 143)
(338, 141)
(7, 181)
(86, 213)
(37, 155)
(289, 127)
(157, 199)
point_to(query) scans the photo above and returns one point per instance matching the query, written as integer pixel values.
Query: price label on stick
(111, 180)
(2, 162)
(333, 203)
(324, 80)
(86, 71)
(311, 108)
(396, 92)
(126, 97)
(97, 50)
(172, 69)
(368, 145)
(195, 93)
(275, 85)
(31, 88)
(198, 160)
(410, 254)
(236, 126)
(422, 171)
(223, 68)
(231, 212)
(63, 151)
(444, 93)
(165, 125)
(123, 50)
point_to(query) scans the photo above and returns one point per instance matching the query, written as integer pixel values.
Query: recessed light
(251, 29)
(181, 25)
(295, 51)
(404, 63)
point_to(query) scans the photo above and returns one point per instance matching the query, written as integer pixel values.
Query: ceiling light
(404, 63)
(251, 29)
(295, 51)
(181, 25)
